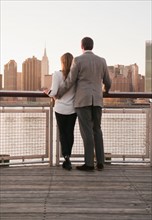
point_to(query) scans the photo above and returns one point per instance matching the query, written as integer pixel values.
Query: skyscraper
(19, 81)
(10, 75)
(44, 69)
(31, 70)
(135, 77)
(148, 66)
(0, 81)
(126, 78)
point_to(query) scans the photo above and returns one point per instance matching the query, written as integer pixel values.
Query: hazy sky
(119, 29)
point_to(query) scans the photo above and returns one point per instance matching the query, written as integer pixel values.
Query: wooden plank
(41, 192)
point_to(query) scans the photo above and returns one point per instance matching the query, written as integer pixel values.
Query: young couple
(77, 89)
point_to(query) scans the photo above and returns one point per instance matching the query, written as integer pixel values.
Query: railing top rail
(128, 95)
(16, 93)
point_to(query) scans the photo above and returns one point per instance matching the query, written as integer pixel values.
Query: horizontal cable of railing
(14, 93)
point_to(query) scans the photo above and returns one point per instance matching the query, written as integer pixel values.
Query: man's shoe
(85, 168)
(100, 166)
(67, 163)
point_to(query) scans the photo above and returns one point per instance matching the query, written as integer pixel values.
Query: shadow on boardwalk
(119, 192)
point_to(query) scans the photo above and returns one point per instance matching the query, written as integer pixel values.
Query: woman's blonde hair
(66, 61)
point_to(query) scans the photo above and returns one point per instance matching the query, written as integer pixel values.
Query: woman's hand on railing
(47, 91)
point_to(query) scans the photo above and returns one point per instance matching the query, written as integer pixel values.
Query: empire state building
(44, 68)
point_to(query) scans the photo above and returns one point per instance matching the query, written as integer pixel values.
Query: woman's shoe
(67, 163)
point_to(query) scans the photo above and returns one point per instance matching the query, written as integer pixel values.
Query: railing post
(57, 147)
(151, 134)
(51, 135)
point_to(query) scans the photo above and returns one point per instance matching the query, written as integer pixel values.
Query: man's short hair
(87, 43)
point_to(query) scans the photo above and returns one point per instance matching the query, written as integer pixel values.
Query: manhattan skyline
(119, 29)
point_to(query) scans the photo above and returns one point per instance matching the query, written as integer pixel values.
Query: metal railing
(24, 133)
(127, 136)
(132, 95)
(28, 131)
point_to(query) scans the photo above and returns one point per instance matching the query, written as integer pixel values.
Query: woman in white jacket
(64, 109)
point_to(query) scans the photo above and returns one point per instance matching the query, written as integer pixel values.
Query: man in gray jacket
(88, 72)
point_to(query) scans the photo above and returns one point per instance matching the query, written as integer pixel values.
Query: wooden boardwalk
(119, 192)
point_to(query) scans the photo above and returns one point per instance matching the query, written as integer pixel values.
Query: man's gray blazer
(88, 72)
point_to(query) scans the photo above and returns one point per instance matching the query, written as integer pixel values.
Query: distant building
(120, 80)
(148, 66)
(48, 81)
(10, 75)
(0, 81)
(44, 69)
(135, 77)
(19, 81)
(120, 84)
(111, 70)
(141, 84)
(31, 70)
(126, 78)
